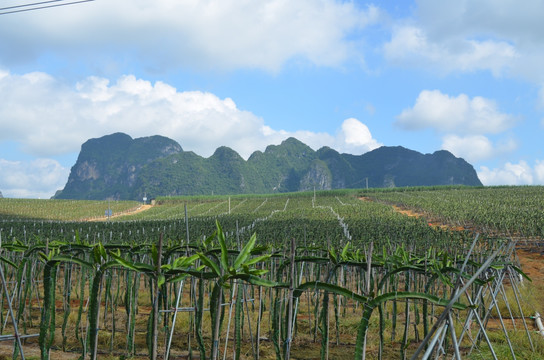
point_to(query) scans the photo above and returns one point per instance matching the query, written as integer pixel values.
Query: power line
(38, 6)
(31, 4)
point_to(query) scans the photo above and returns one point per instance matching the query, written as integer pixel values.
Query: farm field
(61, 210)
(401, 273)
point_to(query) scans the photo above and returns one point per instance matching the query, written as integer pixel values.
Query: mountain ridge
(119, 167)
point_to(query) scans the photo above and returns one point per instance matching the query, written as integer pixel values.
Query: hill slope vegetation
(119, 167)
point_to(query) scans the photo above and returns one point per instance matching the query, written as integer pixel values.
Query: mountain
(1, 196)
(282, 167)
(109, 166)
(400, 167)
(119, 167)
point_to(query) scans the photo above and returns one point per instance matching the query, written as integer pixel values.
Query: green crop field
(61, 210)
(379, 274)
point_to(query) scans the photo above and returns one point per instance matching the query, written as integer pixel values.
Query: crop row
(329, 257)
(60, 210)
(512, 210)
(335, 281)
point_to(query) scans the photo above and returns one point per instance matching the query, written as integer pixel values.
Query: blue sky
(464, 76)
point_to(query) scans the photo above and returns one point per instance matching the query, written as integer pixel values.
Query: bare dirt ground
(531, 263)
(33, 352)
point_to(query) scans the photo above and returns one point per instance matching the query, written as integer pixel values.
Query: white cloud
(495, 18)
(464, 122)
(450, 114)
(49, 118)
(539, 171)
(39, 178)
(463, 36)
(356, 135)
(513, 174)
(475, 148)
(410, 45)
(210, 34)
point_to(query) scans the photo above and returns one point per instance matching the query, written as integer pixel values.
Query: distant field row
(325, 216)
(331, 215)
(61, 210)
(517, 210)
(510, 210)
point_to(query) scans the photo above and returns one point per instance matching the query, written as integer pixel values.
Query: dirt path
(413, 213)
(137, 210)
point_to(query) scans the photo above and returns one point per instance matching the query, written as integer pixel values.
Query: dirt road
(124, 213)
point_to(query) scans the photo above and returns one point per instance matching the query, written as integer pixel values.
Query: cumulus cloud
(222, 34)
(48, 118)
(539, 171)
(475, 148)
(501, 18)
(410, 45)
(39, 178)
(459, 114)
(51, 118)
(513, 174)
(353, 137)
(356, 135)
(464, 123)
(464, 36)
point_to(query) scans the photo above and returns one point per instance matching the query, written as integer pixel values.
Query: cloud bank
(458, 114)
(50, 118)
(39, 178)
(513, 174)
(411, 46)
(467, 36)
(210, 34)
(463, 122)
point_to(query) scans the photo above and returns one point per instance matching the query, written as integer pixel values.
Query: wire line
(18, 7)
(31, 4)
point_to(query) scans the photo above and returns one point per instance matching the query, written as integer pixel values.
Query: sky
(463, 76)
